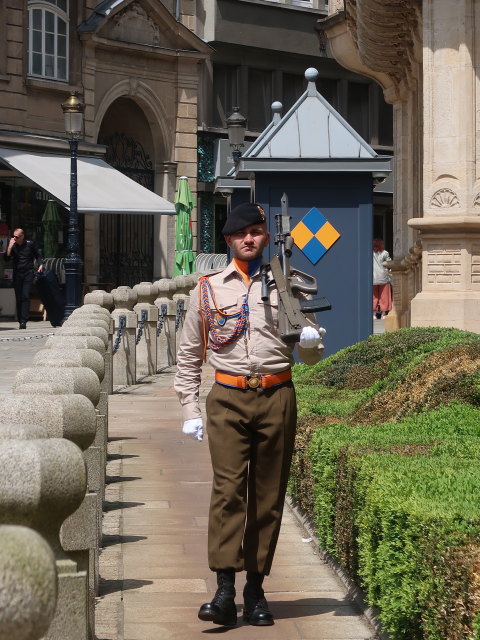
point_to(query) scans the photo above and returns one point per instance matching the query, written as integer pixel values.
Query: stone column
(166, 355)
(124, 358)
(164, 226)
(146, 354)
(450, 227)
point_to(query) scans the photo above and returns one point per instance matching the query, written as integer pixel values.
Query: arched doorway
(127, 240)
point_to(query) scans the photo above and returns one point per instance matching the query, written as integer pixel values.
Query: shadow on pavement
(113, 506)
(287, 609)
(121, 456)
(109, 540)
(110, 586)
(111, 479)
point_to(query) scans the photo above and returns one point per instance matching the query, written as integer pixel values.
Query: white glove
(311, 337)
(194, 428)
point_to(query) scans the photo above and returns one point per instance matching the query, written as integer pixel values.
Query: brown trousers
(251, 434)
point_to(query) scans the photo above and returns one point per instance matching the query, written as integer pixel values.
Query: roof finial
(277, 111)
(311, 74)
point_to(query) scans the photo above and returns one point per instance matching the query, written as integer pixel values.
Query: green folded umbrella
(184, 256)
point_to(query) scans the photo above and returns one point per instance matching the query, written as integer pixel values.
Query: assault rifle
(289, 281)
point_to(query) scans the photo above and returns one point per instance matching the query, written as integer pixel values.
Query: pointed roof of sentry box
(311, 136)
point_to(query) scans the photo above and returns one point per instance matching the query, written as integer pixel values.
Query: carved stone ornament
(476, 201)
(385, 33)
(444, 198)
(135, 25)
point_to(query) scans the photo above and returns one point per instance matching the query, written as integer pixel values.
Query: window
(260, 98)
(293, 88)
(48, 39)
(358, 108)
(225, 93)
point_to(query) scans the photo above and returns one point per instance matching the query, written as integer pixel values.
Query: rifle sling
(281, 282)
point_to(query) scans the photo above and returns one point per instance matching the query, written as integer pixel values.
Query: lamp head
(236, 127)
(73, 109)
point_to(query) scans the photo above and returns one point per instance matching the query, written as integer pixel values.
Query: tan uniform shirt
(259, 351)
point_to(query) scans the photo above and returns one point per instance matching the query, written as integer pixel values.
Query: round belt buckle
(253, 382)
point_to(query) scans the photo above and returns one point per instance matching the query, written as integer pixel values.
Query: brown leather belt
(253, 382)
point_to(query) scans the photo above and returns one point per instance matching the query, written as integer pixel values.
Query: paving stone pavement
(154, 573)
(17, 348)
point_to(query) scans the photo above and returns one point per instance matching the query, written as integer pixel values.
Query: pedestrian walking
(251, 413)
(26, 259)
(382, 287)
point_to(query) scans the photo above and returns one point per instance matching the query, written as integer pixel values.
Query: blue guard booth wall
(344, 272)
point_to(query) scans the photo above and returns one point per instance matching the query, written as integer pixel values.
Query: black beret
(243, 216)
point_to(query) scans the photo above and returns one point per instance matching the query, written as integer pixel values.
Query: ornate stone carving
(444, 198)
(476, 201)
(385, 33)
(135, 25)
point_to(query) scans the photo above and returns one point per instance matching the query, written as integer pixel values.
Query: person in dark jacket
(25, 254)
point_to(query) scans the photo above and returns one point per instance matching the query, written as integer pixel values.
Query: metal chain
(161, 318)
(45, 335)
(122, 321)
(180, 310)
(141, 325)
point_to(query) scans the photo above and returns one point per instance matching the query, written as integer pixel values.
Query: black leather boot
(256, 611)
(222, 610)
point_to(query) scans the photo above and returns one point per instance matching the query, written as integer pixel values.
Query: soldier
(251, 414)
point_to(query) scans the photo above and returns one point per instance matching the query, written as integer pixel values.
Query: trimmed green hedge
(394, 497)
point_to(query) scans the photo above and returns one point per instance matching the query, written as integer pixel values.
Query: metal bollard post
(182, 298)
(147, 313)
(166, 331)
(124, 350)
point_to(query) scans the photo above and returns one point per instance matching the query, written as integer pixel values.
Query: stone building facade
(426, 58)
(136, 66)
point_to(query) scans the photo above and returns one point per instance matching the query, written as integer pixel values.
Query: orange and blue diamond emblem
(314, 235)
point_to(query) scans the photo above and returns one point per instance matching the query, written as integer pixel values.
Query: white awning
(101, 188)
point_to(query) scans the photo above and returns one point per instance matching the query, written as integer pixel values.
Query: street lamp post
(73, 109)
(236, 127)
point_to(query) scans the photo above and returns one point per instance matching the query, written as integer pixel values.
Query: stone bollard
(181, 297)
(74, 380)
(124, 360)
(63, 380)
(166, 332)
(21, 431)
(71, 358)
(88, 342)
(96, 456)
(28, 579)
(84, 321)
(43, 482)
(84, 331)
(73, 417)
(100, 298)
(147, 313)
(103, 300)
(76, 342)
